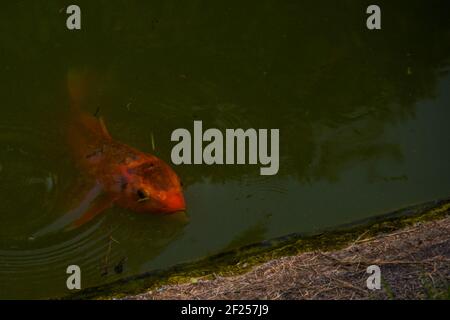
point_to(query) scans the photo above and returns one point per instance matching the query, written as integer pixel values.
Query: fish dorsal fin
(84, 88)
(88, 125)
(104, 130)
(78, 81)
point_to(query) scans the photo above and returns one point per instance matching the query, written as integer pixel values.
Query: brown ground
(414, 262)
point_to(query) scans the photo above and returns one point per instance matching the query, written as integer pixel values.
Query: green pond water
(363, 119)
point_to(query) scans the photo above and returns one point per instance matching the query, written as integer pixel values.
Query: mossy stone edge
(240, 260)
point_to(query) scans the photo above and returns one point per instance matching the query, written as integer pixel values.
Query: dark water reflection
(362, 118)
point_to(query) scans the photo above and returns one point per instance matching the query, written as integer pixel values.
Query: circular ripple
(36, 187)
(34, 179)
(29, 184)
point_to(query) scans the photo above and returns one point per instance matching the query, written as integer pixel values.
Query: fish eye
(142, 195)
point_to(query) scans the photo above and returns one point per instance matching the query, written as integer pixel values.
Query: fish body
(122, 175)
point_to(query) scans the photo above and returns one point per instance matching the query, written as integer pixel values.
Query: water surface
(363, 118)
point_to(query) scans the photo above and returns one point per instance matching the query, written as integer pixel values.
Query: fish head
(149, 185)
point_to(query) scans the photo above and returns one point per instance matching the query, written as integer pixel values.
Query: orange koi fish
(122, 175)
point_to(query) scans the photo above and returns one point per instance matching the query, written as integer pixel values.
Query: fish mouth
(173, 210)
(178, 216)
(174, 203)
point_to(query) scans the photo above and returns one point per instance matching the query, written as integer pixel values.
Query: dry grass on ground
(414, 262)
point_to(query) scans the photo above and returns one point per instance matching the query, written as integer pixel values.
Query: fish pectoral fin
(99, 205)
(91, 201)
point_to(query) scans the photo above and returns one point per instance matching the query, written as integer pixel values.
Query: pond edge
(242, 259)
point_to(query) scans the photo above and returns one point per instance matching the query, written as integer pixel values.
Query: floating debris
(153, 141)
(97, 111)
(120, 266)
